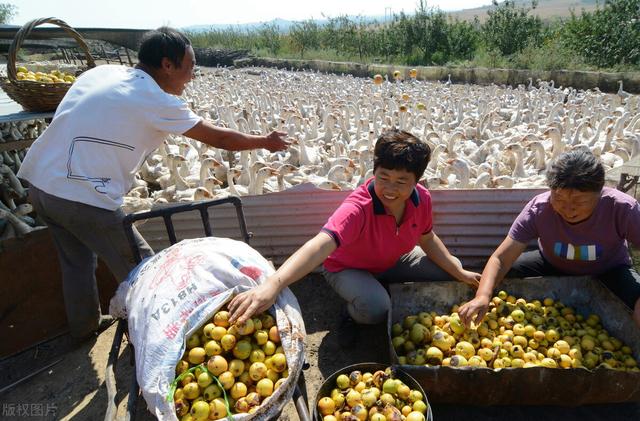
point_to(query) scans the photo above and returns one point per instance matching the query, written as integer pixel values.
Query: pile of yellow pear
(375, 396)
(514, 333)
(55, 76)
(242, 363)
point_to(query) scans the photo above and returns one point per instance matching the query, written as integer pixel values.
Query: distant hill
(547, 9)
(283, 24)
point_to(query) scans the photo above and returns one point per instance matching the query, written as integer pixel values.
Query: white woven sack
(172, 294)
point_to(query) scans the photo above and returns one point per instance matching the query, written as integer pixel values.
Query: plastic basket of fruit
(545, 341)
(39, 91)
(371, 391)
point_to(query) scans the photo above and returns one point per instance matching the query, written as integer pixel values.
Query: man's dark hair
(578, 170)
(400, 150)
(163, 42)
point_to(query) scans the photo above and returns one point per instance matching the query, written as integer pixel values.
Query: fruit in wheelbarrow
(211, 392)
(221, 318)
(261, 337)
(279, 363)
(217, 365)
(191, 390)
(242, 349)
(217, 409)
(228, 341)
(257, 371)
(264, 387)
(248, 361)
(246, 328)
(200, 411)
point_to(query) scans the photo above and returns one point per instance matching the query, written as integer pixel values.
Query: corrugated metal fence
(470, 222)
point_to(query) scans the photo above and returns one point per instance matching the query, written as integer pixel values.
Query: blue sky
(146, 14)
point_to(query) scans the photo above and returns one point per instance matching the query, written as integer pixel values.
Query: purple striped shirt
(590, 247)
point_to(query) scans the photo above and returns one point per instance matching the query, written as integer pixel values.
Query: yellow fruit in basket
(326, 406)
(69, 78)
(419, 405)
(368, 398)
(360, 412)
(415, 416)
(342, 381)
(353, 398)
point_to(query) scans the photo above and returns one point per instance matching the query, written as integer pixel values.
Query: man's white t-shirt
(109, 121)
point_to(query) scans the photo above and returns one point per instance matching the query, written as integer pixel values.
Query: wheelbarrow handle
(301, 403)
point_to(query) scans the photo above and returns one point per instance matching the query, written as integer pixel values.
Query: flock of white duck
(480, 136)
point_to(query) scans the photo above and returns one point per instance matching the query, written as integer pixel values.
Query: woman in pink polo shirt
(381, 233)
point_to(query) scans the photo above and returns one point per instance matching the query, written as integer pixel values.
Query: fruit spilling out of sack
(229, 368)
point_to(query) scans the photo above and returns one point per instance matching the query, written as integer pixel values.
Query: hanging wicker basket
(32, 95)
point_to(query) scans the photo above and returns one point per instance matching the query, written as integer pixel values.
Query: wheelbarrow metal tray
(530, 386)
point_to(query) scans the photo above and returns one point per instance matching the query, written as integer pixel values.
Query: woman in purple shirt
(582, 228)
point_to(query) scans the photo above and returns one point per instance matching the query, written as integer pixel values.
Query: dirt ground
(74, 388)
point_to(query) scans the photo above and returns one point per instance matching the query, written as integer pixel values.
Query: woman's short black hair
(578, 170)
(163, 42)
(400, 150)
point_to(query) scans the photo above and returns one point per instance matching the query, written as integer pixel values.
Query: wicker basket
(38, 96)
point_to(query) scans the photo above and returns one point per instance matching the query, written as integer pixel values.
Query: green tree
(7, 12)
(304, 36)
(509, 29)
(269, 37)
(463, 39)
(609, 36)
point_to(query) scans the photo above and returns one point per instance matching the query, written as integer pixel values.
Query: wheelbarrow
(299, 398)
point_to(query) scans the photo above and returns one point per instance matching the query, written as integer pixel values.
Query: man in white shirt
(84, 163)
